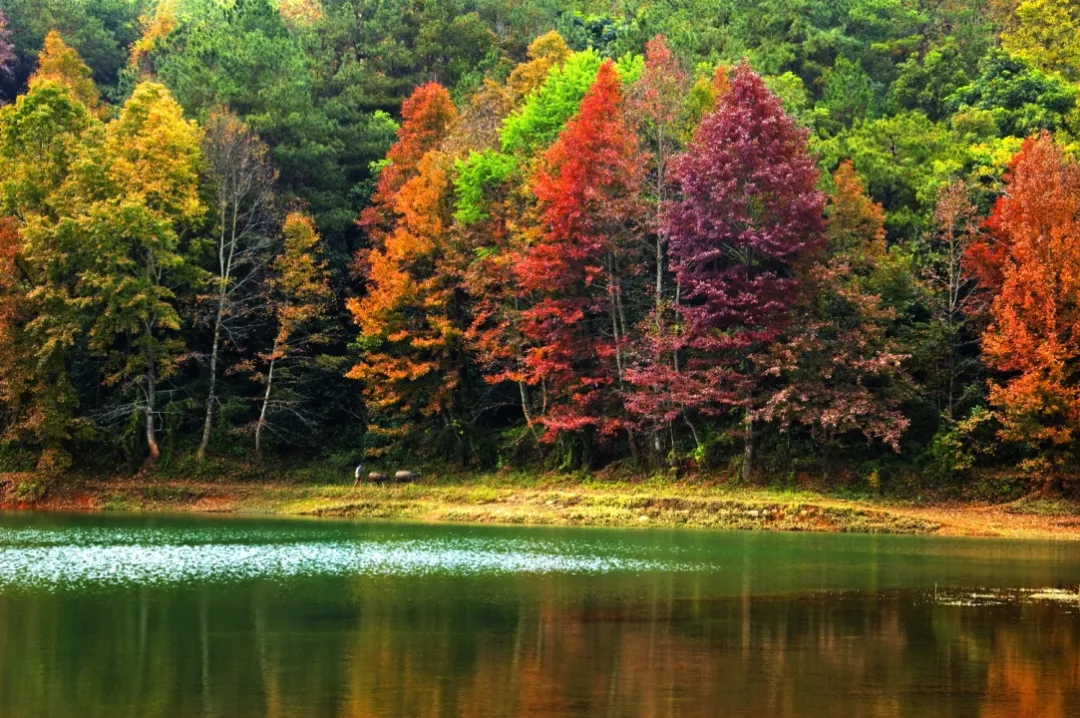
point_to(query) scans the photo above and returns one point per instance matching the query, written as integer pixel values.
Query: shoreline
(487, 500)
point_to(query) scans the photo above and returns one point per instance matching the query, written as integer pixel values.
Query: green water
(183, 617)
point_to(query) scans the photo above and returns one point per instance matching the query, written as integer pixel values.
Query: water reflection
(835, 626)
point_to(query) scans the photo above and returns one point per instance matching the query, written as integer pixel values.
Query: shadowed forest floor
(555, 500)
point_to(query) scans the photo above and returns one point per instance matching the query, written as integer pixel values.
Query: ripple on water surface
(38, 558)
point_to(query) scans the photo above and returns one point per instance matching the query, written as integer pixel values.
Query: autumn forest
(767, 240)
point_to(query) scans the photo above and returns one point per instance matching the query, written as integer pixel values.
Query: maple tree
(589, 192)
(1034, 334)
(748, 209)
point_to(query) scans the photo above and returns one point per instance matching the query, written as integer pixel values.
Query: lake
(117, 616)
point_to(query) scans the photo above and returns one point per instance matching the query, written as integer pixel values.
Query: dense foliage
(782, 240)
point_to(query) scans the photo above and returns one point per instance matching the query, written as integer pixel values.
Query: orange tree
(1034, 334)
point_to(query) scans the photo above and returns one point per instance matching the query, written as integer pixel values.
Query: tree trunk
(748, 451)
(266, 400)
(635, 454)
(211, 397)
(659, 274)
(151, 437)
(459, 443)
(614, 312)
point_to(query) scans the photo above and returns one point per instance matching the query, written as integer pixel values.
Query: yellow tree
(59, 63)
(42, 135)
(155, 28)
(856, 227)
(132, 199)
(545, 52)
(299, 300)
(1046, 33)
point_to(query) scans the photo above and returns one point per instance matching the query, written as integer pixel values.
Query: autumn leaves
(102, 267)
(633, 286)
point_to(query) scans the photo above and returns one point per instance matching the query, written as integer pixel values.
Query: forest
(768, 240)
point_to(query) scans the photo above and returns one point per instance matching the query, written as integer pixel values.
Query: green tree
(1021, 99)
(926, 83)
(903, 159)
(847, 93)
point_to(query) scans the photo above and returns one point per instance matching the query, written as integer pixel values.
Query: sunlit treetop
(59, 63)
(546, 110)
(426, 116)
(1047, 34)
(153, 151)
(545, 52)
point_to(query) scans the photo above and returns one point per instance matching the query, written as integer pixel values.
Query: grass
(538, 498)
(496, 498)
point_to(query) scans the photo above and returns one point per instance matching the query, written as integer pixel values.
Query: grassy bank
(551, 500)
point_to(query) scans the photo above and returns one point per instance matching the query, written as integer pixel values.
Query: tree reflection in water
(438, 648)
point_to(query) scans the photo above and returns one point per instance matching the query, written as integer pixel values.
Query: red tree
(749, 208)
(837, 368)
(589, 192)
